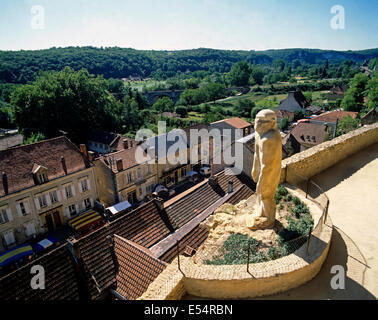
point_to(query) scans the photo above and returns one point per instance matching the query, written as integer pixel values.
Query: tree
(182, 111)
(372, 86)
(215, 91)
(284, 124)
(239, 74)
(346, 124)
(257, 75)
(244, 107)
(75, 102)
(354, 98)
(163, 104)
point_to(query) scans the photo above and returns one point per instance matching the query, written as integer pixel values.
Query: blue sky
(186, 24)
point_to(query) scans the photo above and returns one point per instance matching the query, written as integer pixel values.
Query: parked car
(205, 171)
(162, 192)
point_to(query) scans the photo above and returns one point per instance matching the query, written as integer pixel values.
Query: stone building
(294, 102)
(43, 185)
(121, 178)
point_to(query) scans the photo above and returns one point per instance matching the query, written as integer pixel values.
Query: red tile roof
(331, 116)
(309, 133)
(193, 239)
(192, 204)
(143, 226)
(137, 268)
(60, 279)
(126, 155)
(18, 162)
(236, 123)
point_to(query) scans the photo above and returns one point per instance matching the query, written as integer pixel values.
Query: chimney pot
(5, 183)
(119, 164)
(213, 180)
(230, 186)
(63, 161)
(91, 155)
(125, 144)
(159, 202)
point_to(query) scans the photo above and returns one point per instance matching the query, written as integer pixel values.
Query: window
(9, 237)
(87, 203)
(68, 190)
(42, 178)
(183, 172)
(72, 209)
(24, 212)
(84, 185)
(53, 196)
(150, 188)
(3, 216)
(129, 177)
(42, 201)
(139, 171)
(30, 229)
(148, 168)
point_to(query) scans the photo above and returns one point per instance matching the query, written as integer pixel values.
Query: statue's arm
(256, 164)
(267, 160)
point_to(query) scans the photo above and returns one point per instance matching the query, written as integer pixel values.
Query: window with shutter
(3, 216)
(9, 237)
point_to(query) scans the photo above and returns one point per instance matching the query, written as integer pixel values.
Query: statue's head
(265, 120)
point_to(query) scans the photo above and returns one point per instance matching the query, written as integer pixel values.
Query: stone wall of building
(317, 159)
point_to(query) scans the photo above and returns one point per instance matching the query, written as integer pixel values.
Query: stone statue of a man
(266, 169)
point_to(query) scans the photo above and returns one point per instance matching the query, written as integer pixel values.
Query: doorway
(57, 220)
(49, 222)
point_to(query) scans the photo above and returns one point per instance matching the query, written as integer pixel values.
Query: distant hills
(21, 66)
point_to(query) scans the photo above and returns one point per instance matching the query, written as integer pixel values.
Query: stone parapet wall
(169, 285)
(317, 159)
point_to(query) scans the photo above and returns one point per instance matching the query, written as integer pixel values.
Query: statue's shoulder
(272, 135)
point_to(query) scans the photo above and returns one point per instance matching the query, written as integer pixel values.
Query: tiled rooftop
(137, 269)
(60, 279)
(143, 226)
(18, 162)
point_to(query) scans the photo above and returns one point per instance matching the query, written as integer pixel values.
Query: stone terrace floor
(352, 187)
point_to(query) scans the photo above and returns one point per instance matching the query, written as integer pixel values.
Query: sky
(187, 24)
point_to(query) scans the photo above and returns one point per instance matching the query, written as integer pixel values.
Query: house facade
(121, 178)
(44, 184)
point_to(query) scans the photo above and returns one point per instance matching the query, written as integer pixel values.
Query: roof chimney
(5, 183)
(91, 155)
(83, 150)
(119, 164)
(63, 161)
(125, 144)
(213, 181)
(159, 202)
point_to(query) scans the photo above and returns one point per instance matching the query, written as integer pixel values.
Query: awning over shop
(15, 254)
(44, 244)
(85, 220)
(119, 207)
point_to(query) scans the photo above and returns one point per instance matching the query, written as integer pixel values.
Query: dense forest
(21, 66)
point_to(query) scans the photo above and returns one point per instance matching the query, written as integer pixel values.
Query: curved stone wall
(233, 281)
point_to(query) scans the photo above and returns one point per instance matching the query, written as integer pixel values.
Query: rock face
(229, 219)
(266, 169)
